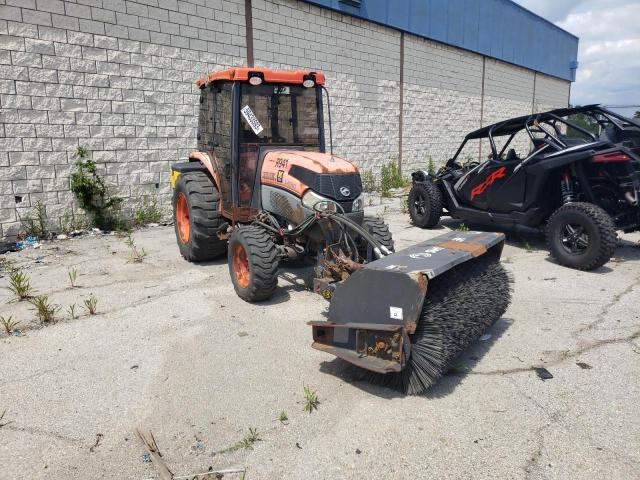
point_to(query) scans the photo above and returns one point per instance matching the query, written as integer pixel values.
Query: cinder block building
(408, 78)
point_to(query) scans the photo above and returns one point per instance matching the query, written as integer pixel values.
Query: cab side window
(221, 106)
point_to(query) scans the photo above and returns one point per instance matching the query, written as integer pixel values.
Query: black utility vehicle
(579, 177)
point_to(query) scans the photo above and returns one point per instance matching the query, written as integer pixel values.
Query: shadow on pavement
(447, 384)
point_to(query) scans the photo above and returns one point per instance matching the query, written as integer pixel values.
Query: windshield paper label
(251, 119)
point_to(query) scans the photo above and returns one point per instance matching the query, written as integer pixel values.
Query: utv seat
(572, 141)
(511, 156)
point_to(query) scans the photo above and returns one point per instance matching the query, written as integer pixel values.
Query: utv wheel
(425, 204)
(196, 217)
(380, 231)
(581, 236)
(253, 263)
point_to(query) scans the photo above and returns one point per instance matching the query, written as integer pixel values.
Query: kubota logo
(479, 189)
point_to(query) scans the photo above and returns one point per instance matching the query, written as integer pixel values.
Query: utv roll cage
(535, 124)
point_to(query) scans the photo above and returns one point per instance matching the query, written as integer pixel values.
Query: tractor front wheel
(196, 217)
(253, 263)
(379, 230)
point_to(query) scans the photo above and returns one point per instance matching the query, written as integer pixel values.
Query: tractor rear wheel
(253, 263)
(378, 230)
(196, 217)
(425, 204)
(581, 235)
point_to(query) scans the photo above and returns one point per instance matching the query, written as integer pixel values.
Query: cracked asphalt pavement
(173, 350)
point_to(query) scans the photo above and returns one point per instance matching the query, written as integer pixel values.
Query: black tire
(201, 196)
(380, 231)
(581, 236)
(425, 204)
(260, 279)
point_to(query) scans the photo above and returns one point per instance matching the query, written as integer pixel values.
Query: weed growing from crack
(73, 274)
(283, 417)
(45, 310)
(9, 324)
(147, 211)
(311, 398)
(35, 223)
(251, 437)
(71, 310)
(91, 304)
(136, 255)
(462, 228)
(19, 284)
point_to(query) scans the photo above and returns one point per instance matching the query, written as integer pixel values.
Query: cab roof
(240, 74)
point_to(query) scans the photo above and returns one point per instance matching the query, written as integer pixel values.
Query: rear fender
(207, 162)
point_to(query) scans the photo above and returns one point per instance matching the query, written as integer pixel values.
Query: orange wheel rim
(182, 218)
(241, 266)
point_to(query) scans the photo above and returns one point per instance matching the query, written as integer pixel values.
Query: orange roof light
(270, 76)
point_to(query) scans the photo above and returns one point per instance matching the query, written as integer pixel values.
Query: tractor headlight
(358, 204)
(318, 203)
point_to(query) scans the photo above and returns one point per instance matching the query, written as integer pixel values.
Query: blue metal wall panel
(497, 28)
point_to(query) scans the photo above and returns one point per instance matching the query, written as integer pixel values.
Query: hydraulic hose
(378, 249)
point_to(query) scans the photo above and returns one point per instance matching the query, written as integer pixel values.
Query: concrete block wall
(117, 77)
(114, 76)
(360, 60)
(442, 101)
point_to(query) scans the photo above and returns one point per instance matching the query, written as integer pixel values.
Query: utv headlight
(358, 204)
(318, 203)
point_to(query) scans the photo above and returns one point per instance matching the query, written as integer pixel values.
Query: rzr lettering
(479, 189)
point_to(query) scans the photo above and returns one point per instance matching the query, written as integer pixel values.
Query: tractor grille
(330, 184)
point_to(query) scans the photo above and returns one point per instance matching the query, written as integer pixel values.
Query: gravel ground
(173, 350)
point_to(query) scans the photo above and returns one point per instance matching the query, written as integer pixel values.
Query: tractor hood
(296, 171)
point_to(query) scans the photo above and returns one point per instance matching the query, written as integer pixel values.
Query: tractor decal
(479, 189)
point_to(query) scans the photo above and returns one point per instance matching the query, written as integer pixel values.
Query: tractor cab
(246, 113)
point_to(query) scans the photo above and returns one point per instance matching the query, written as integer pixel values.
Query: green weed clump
(136, 255)
(368, 181)
(35, 222)
(92, 195)
(45, 310)
(311, 400)
(19, 284)
(390, 177)
(9, 324)
(147, 211)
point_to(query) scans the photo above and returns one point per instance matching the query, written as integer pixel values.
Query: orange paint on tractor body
(277, 166)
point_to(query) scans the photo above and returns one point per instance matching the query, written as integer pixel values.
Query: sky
(609, 48)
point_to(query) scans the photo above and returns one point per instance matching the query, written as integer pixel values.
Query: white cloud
(609, 48)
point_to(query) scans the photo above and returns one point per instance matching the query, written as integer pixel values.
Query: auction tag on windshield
(251, 119)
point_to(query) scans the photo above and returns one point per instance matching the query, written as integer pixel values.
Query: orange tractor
(262, 188)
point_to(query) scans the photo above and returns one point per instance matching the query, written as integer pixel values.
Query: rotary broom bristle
(460, 305)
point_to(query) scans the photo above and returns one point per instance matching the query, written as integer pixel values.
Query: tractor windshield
(279, 114)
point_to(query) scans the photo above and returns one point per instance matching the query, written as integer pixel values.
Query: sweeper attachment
(406, 316)
(263, 190)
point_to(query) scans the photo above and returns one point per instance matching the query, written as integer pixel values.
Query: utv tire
(380, 231)
(425, 204)
(253, 263)
(581, 235)
(196, 217)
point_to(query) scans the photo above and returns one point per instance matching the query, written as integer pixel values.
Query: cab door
(222, 140)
